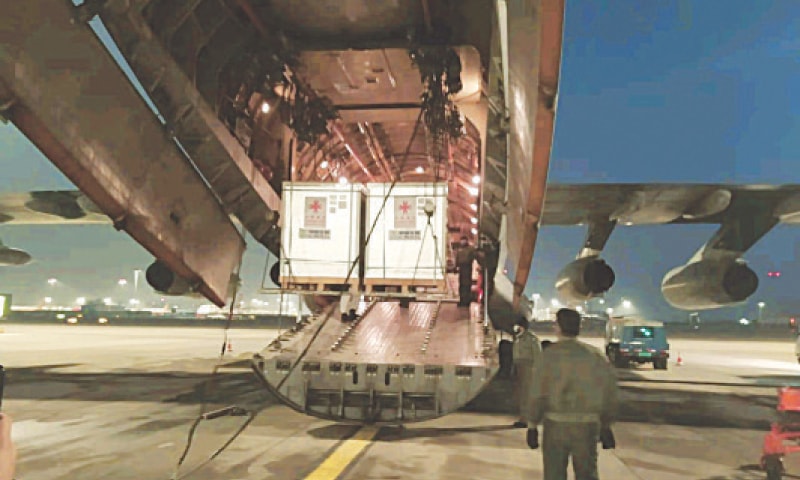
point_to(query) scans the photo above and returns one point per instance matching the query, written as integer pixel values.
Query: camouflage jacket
(574, 383)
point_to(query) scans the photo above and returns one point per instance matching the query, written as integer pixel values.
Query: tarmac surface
(100, 402)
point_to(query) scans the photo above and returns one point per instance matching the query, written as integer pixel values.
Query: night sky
(652, 91)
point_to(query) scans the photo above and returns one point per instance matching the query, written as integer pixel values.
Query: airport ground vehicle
(634, 340)
(784, 434)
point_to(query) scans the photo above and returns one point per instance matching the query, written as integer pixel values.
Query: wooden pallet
(319, 284)
(405, 286)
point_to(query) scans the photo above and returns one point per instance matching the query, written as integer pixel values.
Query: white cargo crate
(404, 246)
(321, 232)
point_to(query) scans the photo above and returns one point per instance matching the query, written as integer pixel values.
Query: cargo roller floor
(418, 334)
(390, 365)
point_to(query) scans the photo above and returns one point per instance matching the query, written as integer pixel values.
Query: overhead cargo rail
(62, 89)
(213, 149)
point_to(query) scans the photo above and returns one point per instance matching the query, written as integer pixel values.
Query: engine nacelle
(583, 279)
(709, 284)
(13, 257)
(165, 281)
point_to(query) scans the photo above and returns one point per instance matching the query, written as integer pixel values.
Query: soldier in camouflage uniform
(526, 354)
(575, 396)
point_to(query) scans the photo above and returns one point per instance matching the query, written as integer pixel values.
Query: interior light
(472, 191)
(476, 179)
(474, 231)
(474, 220)
(473, 207)
(265, 107)
(343, 180)
(419, 170)
(323, 164)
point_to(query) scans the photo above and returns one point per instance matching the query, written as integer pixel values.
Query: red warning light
(777, 274)
(769, 274)
(774, 274)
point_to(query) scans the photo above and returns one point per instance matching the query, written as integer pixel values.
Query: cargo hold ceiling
(324, 90)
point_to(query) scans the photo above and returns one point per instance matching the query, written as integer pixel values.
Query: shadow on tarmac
(51, 382)
(642, 400)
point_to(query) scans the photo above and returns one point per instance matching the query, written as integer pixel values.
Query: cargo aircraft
(235, 102)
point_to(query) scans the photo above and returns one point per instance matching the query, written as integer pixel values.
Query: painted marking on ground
(337, 462)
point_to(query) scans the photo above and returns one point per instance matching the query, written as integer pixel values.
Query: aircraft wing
(654, 204)
(49, 207)
(745, 212)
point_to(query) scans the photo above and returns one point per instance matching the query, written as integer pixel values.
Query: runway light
(744, 321)
(476, 179)
(265, 107)
(48, 300)
(52, 281)
(323, 164)
(419, 170)
(122, 282)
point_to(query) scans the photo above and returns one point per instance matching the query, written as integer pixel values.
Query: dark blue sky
(651, 91)
(677, 92)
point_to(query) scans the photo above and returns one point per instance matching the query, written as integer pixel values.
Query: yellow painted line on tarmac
(342, 457)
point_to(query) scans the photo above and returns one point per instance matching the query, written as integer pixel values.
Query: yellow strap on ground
(337, 462)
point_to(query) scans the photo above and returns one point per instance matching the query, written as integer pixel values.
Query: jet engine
(13, 257)
(165, 281)
(709, 284)
(583, 279)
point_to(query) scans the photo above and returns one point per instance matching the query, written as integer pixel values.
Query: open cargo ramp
(392, 365)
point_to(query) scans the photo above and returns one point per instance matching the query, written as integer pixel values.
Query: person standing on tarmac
(575, 396)
(527, 353)
(464, 258)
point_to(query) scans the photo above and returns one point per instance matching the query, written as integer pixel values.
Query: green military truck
(634, 340)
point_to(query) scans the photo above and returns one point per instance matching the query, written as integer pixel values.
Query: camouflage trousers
(563, 440)
(523, 382)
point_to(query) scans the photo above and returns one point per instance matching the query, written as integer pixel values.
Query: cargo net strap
(437, 253)
(383, 207)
